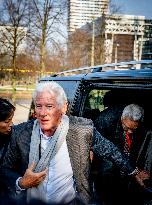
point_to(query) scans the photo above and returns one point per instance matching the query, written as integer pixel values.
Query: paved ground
(23, 101)
(21, 113)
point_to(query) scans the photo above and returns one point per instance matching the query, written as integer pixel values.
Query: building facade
(81, 12)
(124, 37)
(110, 37)
(147, 40)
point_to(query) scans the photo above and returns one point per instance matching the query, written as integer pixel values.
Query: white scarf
(51, 150)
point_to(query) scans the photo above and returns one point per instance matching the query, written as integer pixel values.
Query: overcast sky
(136, 7)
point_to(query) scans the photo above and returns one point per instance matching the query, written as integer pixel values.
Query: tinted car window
(70, 88)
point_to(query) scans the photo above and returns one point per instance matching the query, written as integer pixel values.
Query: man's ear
(65, 107)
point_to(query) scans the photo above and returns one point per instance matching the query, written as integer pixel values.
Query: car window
(95, 99)
(70, 88)
(94, 103)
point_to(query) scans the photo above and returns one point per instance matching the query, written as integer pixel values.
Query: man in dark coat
(122, 125)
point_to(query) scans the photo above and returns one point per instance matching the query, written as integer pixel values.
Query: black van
(92, 89)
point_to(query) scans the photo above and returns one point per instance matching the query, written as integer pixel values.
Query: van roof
(124, 70)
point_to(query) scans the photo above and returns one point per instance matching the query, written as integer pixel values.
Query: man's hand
(31, 179)
(141, 176)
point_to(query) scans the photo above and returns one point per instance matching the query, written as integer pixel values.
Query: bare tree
(79, 49)
(13, 30)
(46, 26)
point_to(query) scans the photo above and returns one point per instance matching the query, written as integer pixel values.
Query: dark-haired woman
(6, 116)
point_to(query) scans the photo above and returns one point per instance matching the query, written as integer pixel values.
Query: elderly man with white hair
(49, 158)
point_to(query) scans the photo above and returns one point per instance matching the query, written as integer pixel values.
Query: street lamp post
(92, 43)
(116, 53)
